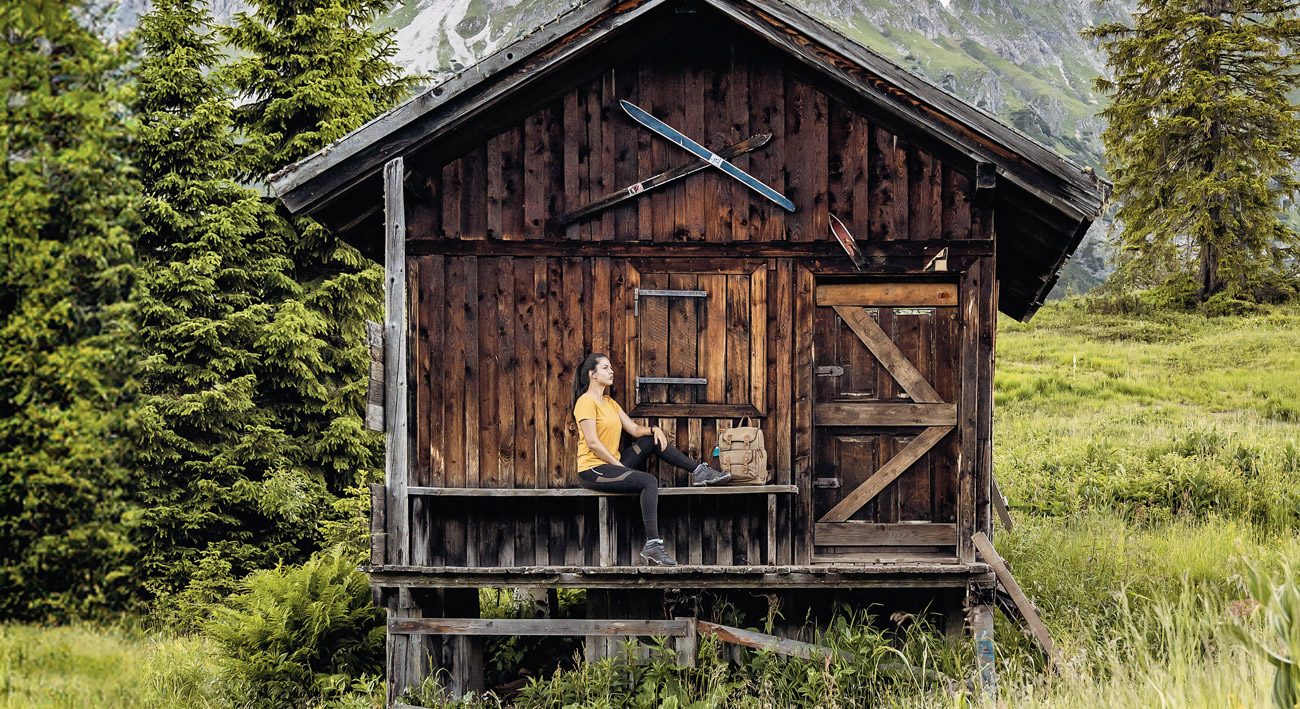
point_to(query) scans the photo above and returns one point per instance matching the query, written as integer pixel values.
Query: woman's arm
(636, 430)
(588, 427)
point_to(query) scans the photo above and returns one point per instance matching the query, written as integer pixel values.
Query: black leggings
(625, 477)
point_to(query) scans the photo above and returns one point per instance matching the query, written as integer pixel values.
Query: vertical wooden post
(466, 650)
(981, 623)
(605, 531)
(395, 450)
(596, 647)
(983, 228)
(378, 524)
(802, 386)
(687, 645)
(952, 606)
(968, 411)
(770, 559)
(375, 388)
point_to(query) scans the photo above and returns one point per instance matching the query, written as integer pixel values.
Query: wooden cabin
(872, 381)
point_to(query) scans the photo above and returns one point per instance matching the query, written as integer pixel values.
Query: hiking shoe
(704, 475)
(655, 553)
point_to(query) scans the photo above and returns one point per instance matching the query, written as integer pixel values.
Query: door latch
(830, 370)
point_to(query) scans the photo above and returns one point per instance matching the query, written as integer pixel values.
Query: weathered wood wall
(496, 331)
(825, 155)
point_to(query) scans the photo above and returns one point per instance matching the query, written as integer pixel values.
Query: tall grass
(1170, 414)
(69, 666)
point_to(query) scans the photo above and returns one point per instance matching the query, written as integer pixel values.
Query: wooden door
(884, 417)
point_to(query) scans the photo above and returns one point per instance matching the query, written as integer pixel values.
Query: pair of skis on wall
(707, 157)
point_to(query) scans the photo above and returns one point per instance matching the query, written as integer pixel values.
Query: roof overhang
(1057, 193)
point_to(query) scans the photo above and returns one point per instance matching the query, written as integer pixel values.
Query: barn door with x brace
(884, 414)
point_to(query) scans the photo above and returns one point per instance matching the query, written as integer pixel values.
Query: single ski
(705, 154)
(749, 144)
(842, 235)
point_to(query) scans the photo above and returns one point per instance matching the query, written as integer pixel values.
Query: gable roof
(1059, 196)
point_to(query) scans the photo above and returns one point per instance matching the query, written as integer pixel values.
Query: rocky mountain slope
(1022, 60)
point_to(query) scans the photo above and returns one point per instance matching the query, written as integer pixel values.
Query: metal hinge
(914, 311)
(826, 482)
(830, 370)
(637, 293)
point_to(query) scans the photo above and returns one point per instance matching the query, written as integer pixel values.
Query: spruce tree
(65, 198)
(1201, 139)
(311, 71)
(223, 493)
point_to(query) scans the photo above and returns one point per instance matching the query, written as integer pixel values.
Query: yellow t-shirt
(609, 428)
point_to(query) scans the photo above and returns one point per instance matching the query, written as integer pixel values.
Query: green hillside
(1149, 460)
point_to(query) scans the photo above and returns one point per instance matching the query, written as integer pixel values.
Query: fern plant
(296, 634)
(1279, 636)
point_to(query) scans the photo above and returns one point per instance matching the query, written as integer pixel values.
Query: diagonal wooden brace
(889, 355)
(888, 472)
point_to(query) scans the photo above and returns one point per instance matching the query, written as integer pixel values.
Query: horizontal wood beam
(706, 411)
(855, 533)
(886, 559)
(697, 250)
(771, 643)
(809, 651)
(836, 573)
(840, 414)
(882, 295)
(583, 492)
(539, 626)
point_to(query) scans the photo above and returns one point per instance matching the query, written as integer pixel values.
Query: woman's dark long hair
(582, 378)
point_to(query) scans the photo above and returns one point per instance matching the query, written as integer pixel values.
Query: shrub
(299, 634)
(1222, 305)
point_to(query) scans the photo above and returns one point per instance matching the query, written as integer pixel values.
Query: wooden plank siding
(497, 335)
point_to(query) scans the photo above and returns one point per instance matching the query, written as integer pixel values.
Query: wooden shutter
(700, 342)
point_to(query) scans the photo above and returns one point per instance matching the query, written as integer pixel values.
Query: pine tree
(65, 199)
(312, 71)
(1202, 138)
(222, 492)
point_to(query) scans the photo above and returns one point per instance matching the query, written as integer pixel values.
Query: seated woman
(601, 423)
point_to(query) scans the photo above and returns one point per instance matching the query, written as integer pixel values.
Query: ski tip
(787, 204)
(628, 105)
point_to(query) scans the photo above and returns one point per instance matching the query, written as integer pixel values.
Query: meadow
(1151, 459)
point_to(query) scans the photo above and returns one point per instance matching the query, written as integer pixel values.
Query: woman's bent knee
(645, 480)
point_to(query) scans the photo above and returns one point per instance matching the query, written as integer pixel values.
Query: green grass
(70, 666)
(1165, 415)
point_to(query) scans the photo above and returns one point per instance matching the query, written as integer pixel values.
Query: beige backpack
(741, 453)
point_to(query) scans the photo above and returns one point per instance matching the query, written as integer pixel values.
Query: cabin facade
(871, 380)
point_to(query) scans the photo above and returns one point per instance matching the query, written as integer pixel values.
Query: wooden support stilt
(953, 605)
(688, 644)
(1000, 504)
(1027, 610)
(981, 623)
